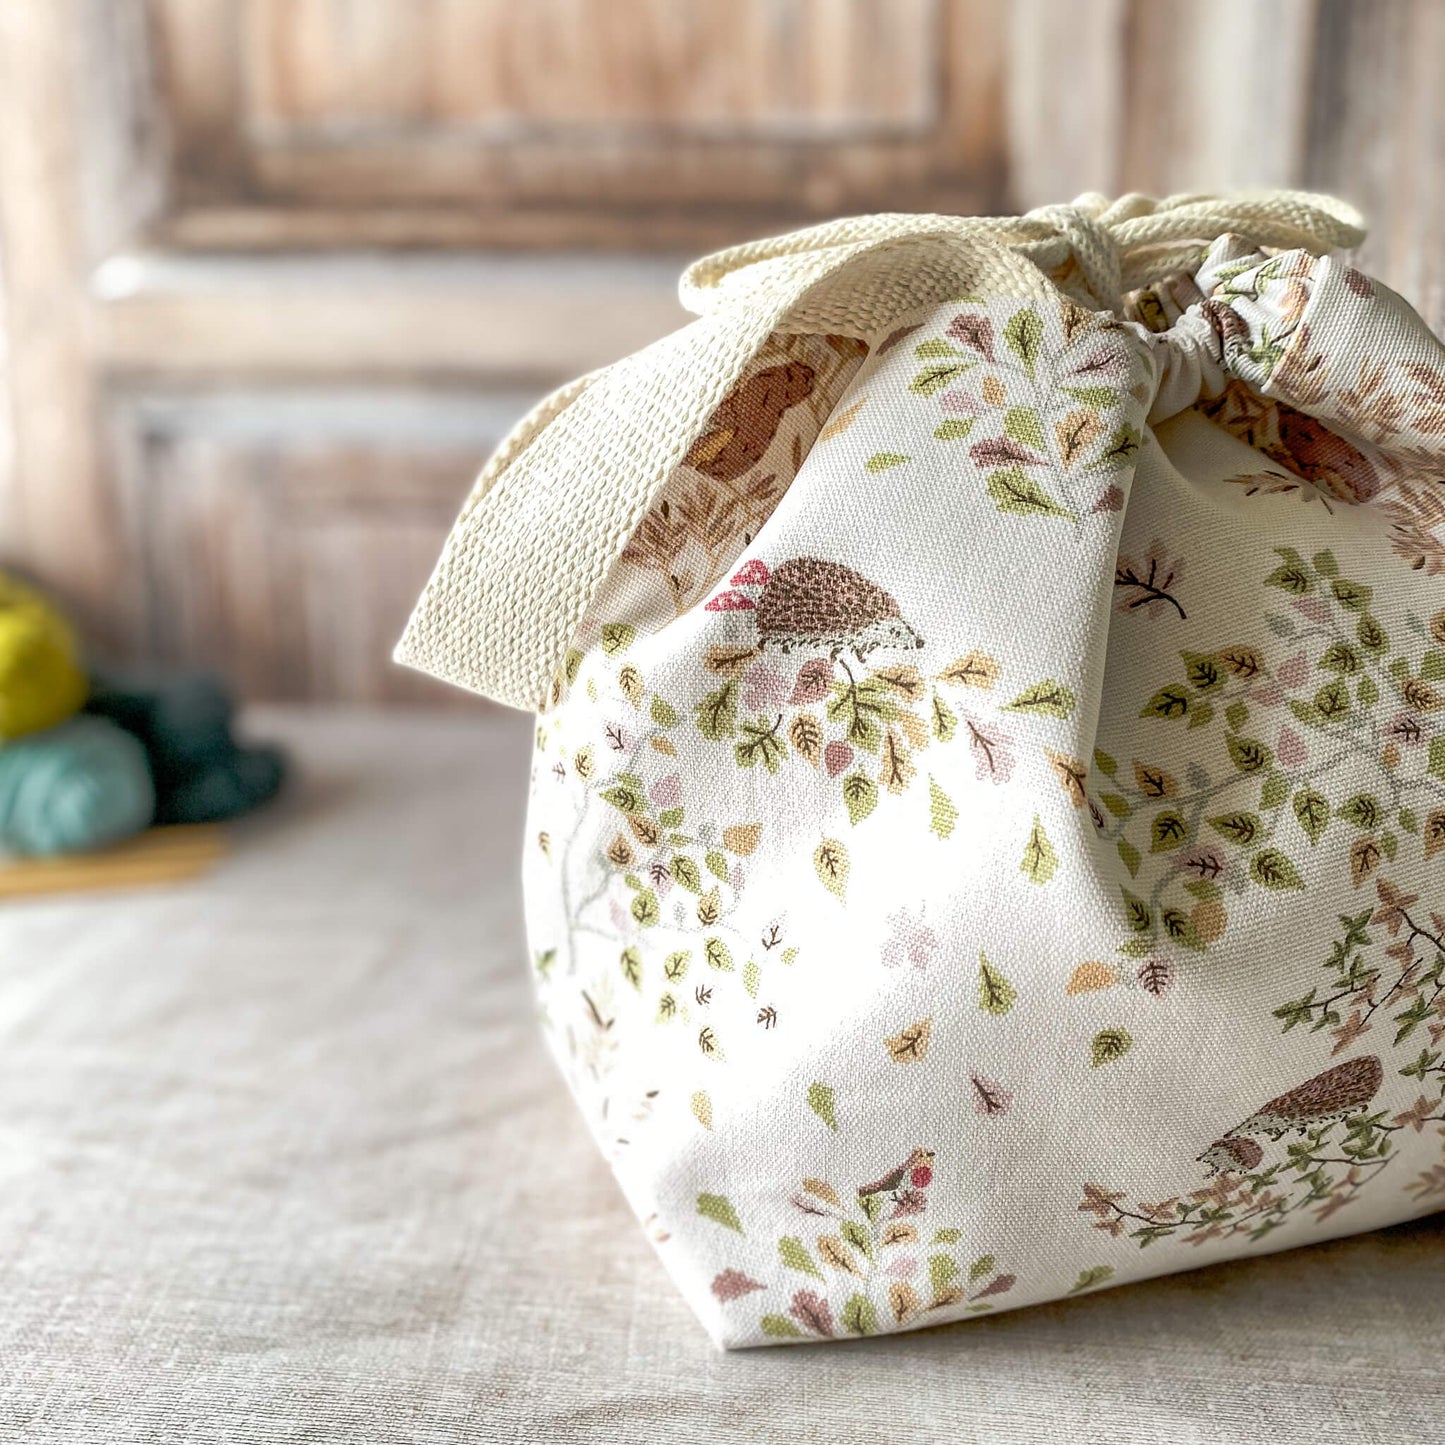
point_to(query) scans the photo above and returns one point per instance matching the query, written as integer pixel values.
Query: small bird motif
(915, 1172)
(812, 605)
(1335, 1094)
(740, 430)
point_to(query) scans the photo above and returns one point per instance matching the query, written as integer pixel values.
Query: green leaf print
(942, 813)
(1013, 490)
(1024, 336)
(1023, 425)
(1119, 449)
(717, 954)
(1249, 755)
(719, 1209)
(1272, 869)
(1108, 1045)
(780, 1327)
(1088, 1278)
(617, 637)
(984, 1264)
(955, 429)
(821, 1102)
(884, 461)
(1168, 702)
(717, 713)
(942, 1271)
(1241, 828)
(1437, 756)
(995, 993)
(935, 377)
(1044, 699)
(860, 793)
(860, 1316)
(1291, 575)
(631, 961)
(685, 871)
(794, 1253)
(645, 908)
(762, 742)
(1040, 862)
(1312, 809)
(1353, 595)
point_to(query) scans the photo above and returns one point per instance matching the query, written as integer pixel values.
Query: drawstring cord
(1119, 245)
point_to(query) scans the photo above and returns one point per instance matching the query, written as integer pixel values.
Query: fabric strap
(555, 505)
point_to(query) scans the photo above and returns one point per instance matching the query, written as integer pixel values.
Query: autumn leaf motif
(821, 1102)
(733, 1284)
(794, 1253)
(813, 1312)
(942, 811)
(1149, 584)
(974, 669)
(990, 1098)
(830, 862)
(1090, 977)
(910, 1044)
(995, 993)
(821, 1189)
(1040, 862)
(833, 1252)
(903, 1302)
(1072, 775)
(1109, 1045)
(1155, 976)
(719, 1209)
(805, 733)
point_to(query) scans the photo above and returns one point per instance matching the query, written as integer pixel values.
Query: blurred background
(277, 273)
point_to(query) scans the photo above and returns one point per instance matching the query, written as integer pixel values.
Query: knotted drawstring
(1119, 245)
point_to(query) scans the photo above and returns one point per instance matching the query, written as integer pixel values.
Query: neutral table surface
(282, 1158)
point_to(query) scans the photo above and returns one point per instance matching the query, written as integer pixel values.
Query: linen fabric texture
(987, 835)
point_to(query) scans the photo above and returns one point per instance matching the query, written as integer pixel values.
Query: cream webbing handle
(555, 505)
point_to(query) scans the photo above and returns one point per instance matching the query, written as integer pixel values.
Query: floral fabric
(988, 838)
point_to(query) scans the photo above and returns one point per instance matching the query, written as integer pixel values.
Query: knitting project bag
(987, 832)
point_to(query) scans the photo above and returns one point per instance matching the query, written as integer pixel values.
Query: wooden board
(157, 856)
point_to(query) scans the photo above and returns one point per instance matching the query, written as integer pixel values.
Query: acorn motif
(809, 604)
(1335, 1094)
(745, 422)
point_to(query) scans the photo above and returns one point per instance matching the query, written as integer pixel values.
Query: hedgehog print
(807, 604)
(1335, 1094)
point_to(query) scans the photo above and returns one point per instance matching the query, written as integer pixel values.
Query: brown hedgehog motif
(739, 432)
(808, 604)
(1335, 1094)
(1294, 440)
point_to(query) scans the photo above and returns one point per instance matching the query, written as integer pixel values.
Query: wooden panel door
(278, 272)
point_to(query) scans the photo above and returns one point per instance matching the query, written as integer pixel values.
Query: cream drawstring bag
(987, 835)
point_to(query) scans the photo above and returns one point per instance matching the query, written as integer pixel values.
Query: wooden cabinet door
(278, 272)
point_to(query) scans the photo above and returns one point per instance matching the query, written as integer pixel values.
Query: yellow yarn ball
(41, 683)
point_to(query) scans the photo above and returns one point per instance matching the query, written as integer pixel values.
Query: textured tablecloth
(282, 1158)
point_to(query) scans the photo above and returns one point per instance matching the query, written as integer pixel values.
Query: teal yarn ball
(72, 788)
